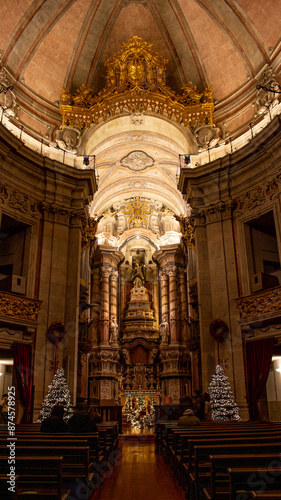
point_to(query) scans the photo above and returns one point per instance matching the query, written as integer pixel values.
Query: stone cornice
(230, 177)
(31, 183)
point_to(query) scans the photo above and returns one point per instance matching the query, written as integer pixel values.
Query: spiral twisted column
(164, 294)
(113, 294)
(173, 299)
(95, 311)
(155, 295)
(104, 319)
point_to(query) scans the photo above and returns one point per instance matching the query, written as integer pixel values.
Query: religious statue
(137, 270)
(164, 330)
(114, 331)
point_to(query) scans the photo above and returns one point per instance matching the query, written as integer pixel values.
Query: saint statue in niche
(164, 330)
(114, 331)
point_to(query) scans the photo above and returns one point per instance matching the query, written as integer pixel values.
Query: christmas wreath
(56, 332)
(218, 328)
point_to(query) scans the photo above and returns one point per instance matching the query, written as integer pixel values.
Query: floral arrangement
(218, 328)
(56, 332)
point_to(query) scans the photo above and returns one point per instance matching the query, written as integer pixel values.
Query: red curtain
(258, 359)
(23, 367)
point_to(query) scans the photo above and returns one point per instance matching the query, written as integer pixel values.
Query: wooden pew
(266, 495)
(219, 479)
(75, 459)
(40, 473)
(253, 478)
(4, 492)
(168, 437)
(180, 436)
(96, 453)
(199, 469)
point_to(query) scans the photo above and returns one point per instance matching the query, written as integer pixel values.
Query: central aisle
(139, 474)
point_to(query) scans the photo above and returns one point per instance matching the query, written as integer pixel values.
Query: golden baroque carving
(260, 304)
(89, 231)
(136, 82)
(187, 230)
(19, 308)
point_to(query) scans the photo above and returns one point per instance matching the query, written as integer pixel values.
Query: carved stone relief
(68, 139)
(137, 160)
(137, 118)
(17, 200)
(266, 98)
(7, 96)
(269, 191)
(207, 136)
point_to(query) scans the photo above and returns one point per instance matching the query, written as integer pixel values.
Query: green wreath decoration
(218, 329)
(56, 332)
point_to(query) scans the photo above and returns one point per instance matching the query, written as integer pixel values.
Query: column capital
(114, 275)
(163, 275)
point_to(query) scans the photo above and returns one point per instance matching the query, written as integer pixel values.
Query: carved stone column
(104, 320)
(113, 293)
(183, 313)
(95, 311)
(122, 298)
(155, 300)
(173, 299)
(164, 294)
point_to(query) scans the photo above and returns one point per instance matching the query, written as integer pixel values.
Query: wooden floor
(139, 474)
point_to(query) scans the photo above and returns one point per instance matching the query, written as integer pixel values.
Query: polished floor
(139, 474)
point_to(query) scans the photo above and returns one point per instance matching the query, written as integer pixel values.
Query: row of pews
(224, 460)
(56, 466)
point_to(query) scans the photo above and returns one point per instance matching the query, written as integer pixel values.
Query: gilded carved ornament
(89, 231)
(137, 211)
(263, 303)
(187, 230)
(19, 308)
(136, 82)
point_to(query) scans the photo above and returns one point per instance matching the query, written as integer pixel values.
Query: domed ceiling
(46, 44)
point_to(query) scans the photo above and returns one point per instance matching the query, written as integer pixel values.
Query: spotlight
(86, 161)
(186, 159)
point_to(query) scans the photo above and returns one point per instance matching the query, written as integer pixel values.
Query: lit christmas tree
(127, 409)
(58, 394)
(140, 404)
(221, 396)
(139, 417)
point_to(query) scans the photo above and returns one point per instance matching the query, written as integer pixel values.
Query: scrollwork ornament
(266, 95)
(68, 139)
(187, 230)
(7, 96)
(207, 136)
(137, 160)
(89, 230)
(136, 83)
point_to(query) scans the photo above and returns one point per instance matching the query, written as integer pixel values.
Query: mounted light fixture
(86, 160)
(185, 160)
